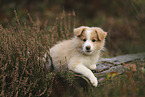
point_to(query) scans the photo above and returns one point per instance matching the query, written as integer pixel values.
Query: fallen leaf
(111, 75)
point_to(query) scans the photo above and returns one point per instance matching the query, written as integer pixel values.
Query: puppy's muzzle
(88, 48)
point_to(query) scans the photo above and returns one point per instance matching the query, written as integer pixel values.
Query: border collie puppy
(81, 53)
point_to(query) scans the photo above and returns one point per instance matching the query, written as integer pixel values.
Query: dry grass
(23, 73)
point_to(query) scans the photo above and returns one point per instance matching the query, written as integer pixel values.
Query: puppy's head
(89, 39)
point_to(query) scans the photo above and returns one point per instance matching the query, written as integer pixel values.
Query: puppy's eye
(84, 40)
(93, 40)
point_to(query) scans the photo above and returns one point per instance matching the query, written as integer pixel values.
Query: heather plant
(21, 73)
(22, 70)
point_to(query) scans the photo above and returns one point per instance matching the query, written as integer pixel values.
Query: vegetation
(23, 72)
(26, 35)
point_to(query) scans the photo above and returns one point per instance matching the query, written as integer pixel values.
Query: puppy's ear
(101, 35)
(78, 31)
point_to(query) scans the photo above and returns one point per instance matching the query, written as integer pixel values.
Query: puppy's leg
(92, 67)
(86, 72)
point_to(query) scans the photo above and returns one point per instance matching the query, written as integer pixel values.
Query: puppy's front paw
(93, 67)
(94, 81)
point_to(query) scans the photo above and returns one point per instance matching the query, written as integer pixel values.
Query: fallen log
(123, 58)
(115, 64)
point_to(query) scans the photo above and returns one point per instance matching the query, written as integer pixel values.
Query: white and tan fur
(81, 53)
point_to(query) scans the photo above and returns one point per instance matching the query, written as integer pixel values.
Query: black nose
(88, 47)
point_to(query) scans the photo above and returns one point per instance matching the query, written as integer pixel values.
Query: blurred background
(124, 20)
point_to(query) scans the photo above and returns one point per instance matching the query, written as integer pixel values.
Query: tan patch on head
(78, 31)
(83, 36)
(80, 39)
(94, 37)
(101, 35)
